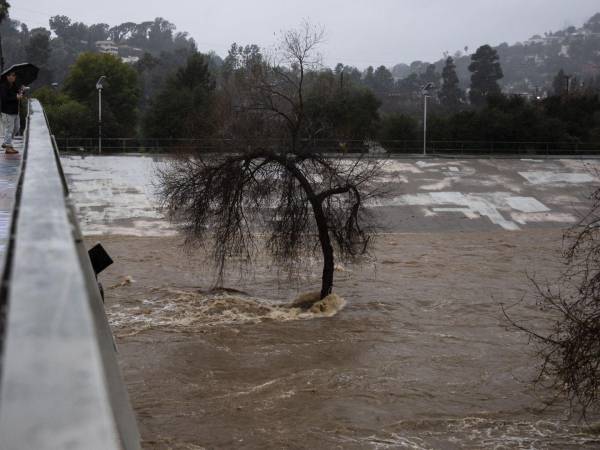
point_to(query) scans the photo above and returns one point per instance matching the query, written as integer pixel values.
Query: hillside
(530, 66)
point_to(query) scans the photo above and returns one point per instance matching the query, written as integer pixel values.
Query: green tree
(450, 95)
(38, 53)
(593, 24)
(430, 75)
(383, 81)
(4, 7)
(97, 32)
(154, 70)
(352, 75)
(67, 117)
(369, 77)
(122, 32)
(38, 47)
(398, 127)
(160, 35)
(71, 39)
(60, 25)
(183, 108)
(119, 97)
(485, 72)
(240, 57)
(560, 84)
(347, 112)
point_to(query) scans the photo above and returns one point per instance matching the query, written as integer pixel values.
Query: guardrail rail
(60, 384)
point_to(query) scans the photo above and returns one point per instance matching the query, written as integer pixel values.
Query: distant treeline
(174, 92)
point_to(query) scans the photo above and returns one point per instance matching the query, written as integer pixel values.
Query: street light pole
(99, 86)
(425, 125)
(100, 120)
(425, 92)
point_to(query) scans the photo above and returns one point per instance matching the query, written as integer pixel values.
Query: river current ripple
(417, 355)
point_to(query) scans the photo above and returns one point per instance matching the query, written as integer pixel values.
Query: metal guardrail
(439, 147)
(60, 385)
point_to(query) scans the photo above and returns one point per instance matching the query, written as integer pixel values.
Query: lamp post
(99, 86)
(426, 93)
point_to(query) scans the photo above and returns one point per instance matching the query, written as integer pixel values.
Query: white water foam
(179, 310)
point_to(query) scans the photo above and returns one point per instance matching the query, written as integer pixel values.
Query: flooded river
(413, 354)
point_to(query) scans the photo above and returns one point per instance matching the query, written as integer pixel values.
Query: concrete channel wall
(60, 385)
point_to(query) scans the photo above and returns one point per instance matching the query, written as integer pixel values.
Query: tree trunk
(1, 55)
(326, 247)
(322, 227)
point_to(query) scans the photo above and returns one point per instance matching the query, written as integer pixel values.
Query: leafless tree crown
(569, 342)
(268, 176)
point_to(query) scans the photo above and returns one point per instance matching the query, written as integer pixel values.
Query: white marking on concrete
(442, 184)
(457, 198)
(477, 204)
(485, 208)
(396, 166)
(566, 199)
(524, 218)
(424, 164)
(526, 204)
(466, 211)
(499, 181)
(557, 177)
(580, 164)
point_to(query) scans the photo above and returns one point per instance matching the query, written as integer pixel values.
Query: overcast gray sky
(358, 32)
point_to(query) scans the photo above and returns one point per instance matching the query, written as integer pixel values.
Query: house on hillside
(108, 47)
(128, 54)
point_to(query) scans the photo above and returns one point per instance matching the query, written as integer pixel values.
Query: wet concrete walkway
(10, 167)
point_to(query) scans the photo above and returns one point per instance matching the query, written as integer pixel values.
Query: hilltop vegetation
(530, 66)
(174, 91)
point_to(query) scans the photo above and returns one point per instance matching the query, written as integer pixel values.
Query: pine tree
(485, 72)
(560, 84)
(4, 7)
(451, 95)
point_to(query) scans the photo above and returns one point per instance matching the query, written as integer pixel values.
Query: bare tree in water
(268, 175)
(569, 343)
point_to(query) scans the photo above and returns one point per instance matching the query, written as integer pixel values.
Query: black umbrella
(26, 73)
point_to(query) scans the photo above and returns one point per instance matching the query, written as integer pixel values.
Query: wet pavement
(10, 167)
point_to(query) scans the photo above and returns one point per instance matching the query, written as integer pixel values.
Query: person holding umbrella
(10, 95)
(11, 92)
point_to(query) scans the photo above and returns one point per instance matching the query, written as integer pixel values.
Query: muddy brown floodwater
(419, 356)
(414, 353)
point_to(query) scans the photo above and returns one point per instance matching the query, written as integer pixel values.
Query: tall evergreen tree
(119, 98)
(4, 6)
(383, 81)
(485, 72)
(560, 84)
(451, 95)
(38, 52)
(430, 75)
(369, 77)
(183, 108)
